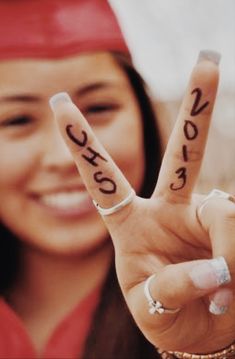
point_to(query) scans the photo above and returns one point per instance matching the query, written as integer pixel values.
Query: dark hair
(9, 259)
(118, 337)
(152, 142)
(114, 334)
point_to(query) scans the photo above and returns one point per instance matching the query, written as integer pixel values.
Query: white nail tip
(216, 310)
(60, 97)
(209, 55)
(221, 270)
(210, 274)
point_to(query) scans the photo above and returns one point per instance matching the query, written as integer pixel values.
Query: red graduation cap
(57, 28)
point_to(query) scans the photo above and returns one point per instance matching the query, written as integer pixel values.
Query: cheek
(124, 142)
(130, 159)
(16, 163)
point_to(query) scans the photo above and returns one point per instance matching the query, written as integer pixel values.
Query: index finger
(103, 179)
(185, 149)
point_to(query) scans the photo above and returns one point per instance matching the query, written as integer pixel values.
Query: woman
(60, 283)
(53, 234)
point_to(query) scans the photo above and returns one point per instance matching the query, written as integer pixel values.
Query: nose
(56, 154)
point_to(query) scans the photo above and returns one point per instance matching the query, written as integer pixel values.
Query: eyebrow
(94, 87)
(35, 99)
(20, 98)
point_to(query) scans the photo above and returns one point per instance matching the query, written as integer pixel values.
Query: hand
(167, 234)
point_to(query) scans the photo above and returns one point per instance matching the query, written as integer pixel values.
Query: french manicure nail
(58, 98)
(217, 310)
(209, 55)
(221, 301)
(210, 274)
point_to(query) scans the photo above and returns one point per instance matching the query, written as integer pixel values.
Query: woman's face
(43, 199)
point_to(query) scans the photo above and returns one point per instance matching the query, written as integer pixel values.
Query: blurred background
(165, 37)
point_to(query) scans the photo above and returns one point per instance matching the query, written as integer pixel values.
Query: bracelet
(228, 352)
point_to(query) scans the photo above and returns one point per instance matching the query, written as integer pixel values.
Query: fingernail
(210, 274)
(59, 98)
(209, 55)
(221, 301)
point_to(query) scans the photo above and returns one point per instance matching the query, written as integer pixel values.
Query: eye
(21, 120)
(98, 114)
(100, 108)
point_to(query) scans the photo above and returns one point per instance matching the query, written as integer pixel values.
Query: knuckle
(229, 217)
(193, 155)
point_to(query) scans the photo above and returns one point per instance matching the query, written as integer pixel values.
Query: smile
(66, 203)
(64, 200)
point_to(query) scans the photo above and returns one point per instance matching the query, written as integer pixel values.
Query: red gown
(67, 340)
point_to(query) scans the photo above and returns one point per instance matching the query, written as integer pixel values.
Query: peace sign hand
(171, 234)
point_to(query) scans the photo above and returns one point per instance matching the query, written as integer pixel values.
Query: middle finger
(184, 153)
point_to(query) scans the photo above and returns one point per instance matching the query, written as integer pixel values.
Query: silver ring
(116, 207)
(155, 305)
(215, 193)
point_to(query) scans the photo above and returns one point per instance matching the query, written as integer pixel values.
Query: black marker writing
(195, 109)
(91, 157)
(190, 130)
(94, 156)
(72, 137)
(105, 180)
(182, 175)
(185, 153)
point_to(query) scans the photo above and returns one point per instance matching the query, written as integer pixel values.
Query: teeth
(64, 200)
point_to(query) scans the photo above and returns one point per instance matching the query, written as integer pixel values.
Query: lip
(57, 188)
(67, 203)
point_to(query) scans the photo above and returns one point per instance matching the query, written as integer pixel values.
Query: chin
(68, 243)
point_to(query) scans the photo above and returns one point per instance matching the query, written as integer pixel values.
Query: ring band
(155, 305)
(116, 207)
(215, 193)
